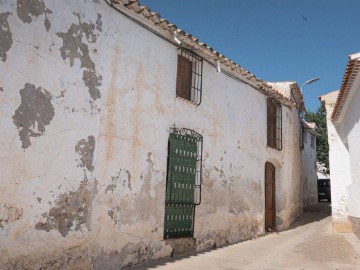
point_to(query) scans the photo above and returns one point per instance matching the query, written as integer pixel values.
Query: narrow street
(308, 244)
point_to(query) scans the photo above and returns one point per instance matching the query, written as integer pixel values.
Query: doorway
(270, 211)
(183, 178)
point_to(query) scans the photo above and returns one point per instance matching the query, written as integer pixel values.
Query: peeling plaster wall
(309, 172)
(49, 124)
(85, 121)
(5, 35)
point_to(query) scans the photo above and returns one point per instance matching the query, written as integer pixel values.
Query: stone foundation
(182, 246)
(342, 226)
(355, 225)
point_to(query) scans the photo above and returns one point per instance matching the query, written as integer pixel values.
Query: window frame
(313, 141)
(301, 136)
(274, 124)
(194, 92)
(305, 136)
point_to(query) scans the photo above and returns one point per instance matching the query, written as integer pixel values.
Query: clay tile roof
(352, 69)
(193, 42)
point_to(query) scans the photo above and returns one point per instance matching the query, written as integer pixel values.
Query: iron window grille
(183, 182)
(274, 124)
(189, 76)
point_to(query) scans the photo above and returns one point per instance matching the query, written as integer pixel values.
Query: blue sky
(270, 38)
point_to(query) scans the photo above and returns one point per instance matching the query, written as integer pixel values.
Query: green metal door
(182, 183)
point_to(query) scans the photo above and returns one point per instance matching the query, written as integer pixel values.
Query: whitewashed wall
(339, 172)
(83, 171)
(344, 159)
(309, 172)
(339, 166)
(351, 133)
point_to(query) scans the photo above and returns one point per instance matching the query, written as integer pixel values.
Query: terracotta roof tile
(352, 69)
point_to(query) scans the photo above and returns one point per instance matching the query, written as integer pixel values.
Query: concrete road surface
(308, 244)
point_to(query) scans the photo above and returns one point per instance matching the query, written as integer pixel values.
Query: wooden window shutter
(271, 125)
(184, 78)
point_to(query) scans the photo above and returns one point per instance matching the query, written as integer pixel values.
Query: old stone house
(343, 115)
(309, 192)
(126, 140)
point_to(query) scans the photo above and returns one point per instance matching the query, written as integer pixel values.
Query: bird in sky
(304, 18)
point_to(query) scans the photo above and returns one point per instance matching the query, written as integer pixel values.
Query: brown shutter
(183, 80)
(271, 129)
(274, 127)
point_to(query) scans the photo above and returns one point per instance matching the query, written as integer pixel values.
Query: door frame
(273, 222)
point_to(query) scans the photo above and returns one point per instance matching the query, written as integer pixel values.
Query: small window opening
(189, 76)
(274, 128)
(313, 141)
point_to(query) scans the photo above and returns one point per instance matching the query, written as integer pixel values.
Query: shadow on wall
(313, 213)
(170, 260)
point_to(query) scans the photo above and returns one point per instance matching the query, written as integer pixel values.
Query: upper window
(304, 136)
(274, 124)
(301, 136)
(189, 76)
(313, 141)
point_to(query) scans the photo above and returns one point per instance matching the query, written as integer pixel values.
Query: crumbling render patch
(138, 253)
(85, 148)
(123, 178)
(72, 211)
(9, 213)
(34, 113)
(114, 214)
(238, 205)
(35, 8)
(99, 22)
(76, 257)
(74, 48)
(5, 36)
(240, 229)
(146, 199)
(92, 82)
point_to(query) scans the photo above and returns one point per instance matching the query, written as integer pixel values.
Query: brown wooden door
(270, 211)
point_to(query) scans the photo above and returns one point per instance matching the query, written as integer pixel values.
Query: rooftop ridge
(188, 39)
(351, 71)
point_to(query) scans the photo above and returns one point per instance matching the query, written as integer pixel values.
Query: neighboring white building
(343, 116)
(309, 166)
(113, 135)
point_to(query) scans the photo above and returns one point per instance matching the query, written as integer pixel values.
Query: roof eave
(143, 13)
(350, 75)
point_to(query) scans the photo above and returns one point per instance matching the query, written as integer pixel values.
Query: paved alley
(308, 244)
